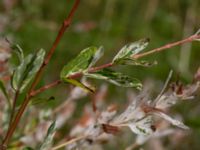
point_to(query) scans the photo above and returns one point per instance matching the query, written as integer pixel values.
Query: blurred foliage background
(112, 23)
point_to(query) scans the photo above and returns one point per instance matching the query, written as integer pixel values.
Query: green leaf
(116, 78)
(131, 49)
(26, 71)
(86, 59)
(80, 63)
(3, 89)
(130, 61)
(81, 85)
(47, 143)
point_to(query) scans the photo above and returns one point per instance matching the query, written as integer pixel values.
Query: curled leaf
(116, 78)
(26, 71)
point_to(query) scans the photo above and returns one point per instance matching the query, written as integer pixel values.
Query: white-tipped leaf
(131, 49)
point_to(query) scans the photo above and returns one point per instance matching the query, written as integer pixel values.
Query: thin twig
(22, 108)
(43, 88)
(69, 142)
(13, 107)
(76, 75)
(164, 87)
(167, 46)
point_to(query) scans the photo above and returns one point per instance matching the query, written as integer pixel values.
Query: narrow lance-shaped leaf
(47, 143)
(131, 49)
(116, 78)
(134, 62)
(26, 71)
(81, 85)
(19, 72)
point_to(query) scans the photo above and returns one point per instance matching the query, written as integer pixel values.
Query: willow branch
(94, 69)
(68, 142)
(22, 108)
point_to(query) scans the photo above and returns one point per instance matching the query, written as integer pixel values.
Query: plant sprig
(32, 66)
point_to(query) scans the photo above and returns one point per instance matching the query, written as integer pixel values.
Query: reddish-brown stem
(76, 75)
(13, 107)
(100, 67)
(64, 26)
(22, 108)
(35, 92)
(167, 46)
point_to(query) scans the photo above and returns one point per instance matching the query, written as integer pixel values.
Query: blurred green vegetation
(112, 23)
